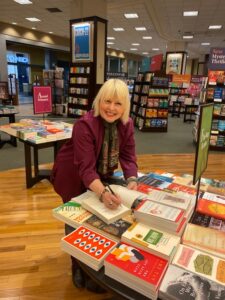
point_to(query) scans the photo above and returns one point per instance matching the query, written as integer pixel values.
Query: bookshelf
(88, 61)
(216, 93)
(149, 108)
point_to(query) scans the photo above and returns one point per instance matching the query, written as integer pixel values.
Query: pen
(108, 186)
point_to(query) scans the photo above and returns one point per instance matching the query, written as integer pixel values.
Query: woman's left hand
(132, 185)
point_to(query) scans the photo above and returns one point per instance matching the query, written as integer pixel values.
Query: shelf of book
(149, 103)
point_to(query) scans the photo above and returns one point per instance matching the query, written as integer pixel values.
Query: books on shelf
(170, 219)
(136, 269)
(152, 240)
(88, 246)
(71, 213)
(201, 263)
(204, 238)
(180, 284)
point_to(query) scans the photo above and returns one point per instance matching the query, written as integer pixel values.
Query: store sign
(42, 99)
(12, 58)
(217, 59)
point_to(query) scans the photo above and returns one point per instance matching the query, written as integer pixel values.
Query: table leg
(28, 167)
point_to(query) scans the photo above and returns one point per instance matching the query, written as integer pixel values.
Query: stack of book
(88, 246)
(136, 269)
(151, 240)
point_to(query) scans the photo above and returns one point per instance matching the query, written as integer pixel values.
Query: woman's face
(111, 109)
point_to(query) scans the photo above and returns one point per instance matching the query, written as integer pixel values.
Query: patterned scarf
(109, 155)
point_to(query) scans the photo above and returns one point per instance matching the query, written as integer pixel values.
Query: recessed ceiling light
(135, 44)
(110, 43)
(205, 44)
(23, 1)
(118, 29)
(193, 13)
(110, 38)
(145, 53)
(14, 23)
(34, 28)
(133, 49)
(140, 28)
(215, 26)
(50, 32)
(187, 36)
(155, 49)
(33, 19)
(147, 37)
(131, 16)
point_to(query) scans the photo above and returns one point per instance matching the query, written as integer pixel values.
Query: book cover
(71, 213)
(139, 264)
(180, 284)
(204, 238)
(181, 188)
(156, 181)
(208, 221)
(201, 263)
(115, 229)
(88, 246)
(151, 240)
(211, 208)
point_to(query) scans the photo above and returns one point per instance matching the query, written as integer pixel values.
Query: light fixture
(145, 53)
(33, 19)
(51, 32)
(34, 28)
(131, 16)
(215, 26)
(118, 29)
(147, 37)
(110, 43)
(14, 23)
(135, 44)
(133, 49)
(140, 28)
(205, 44)
(193, 13)
(155, 49)
(23, 1)
(110, 38)
(187, 36)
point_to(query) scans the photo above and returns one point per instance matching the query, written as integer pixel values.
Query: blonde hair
(111, 89)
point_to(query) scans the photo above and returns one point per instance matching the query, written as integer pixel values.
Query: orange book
(211, 208)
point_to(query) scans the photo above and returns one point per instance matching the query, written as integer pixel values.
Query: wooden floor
(32, 266)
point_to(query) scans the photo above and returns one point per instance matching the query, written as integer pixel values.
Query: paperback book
(211, 208)
(201, 263)
(204, 238)
(88, 246)
(151, 240)
(180, 284)
(208, 221)
(136, 268)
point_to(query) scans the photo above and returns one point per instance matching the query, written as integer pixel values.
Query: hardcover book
(179, 284)
(201, 263)
(88, 246)
(211, 208)
(204, 238)
(208, 221)
(136, 268)
(151, 240)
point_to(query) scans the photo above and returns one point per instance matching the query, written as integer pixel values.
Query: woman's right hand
(111, 201)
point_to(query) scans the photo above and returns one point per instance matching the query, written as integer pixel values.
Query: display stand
(88, 61)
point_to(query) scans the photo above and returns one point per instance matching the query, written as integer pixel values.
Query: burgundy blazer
(75, 165)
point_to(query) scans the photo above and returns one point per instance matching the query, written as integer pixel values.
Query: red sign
(156, 62)
(42, 98)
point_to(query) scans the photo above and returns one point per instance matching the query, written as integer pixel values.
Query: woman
(100, 140)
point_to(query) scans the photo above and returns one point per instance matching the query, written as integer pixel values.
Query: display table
(37, 175)
(12, 141)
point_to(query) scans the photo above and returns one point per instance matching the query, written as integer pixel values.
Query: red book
(211, 208)
(136, 267)
(181, 188)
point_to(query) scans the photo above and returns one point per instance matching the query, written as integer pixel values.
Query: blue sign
(82, 42)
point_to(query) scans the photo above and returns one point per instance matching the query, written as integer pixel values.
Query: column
(3, 59)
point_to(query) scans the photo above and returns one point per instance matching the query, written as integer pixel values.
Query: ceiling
(163, 20)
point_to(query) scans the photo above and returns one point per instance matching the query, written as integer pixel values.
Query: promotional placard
(42, 99)
(217, 59)
(202, 149)
(175, 62)
(82, 42)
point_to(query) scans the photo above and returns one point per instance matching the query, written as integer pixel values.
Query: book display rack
(216, 94)
(149, 102)
(88, 60)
